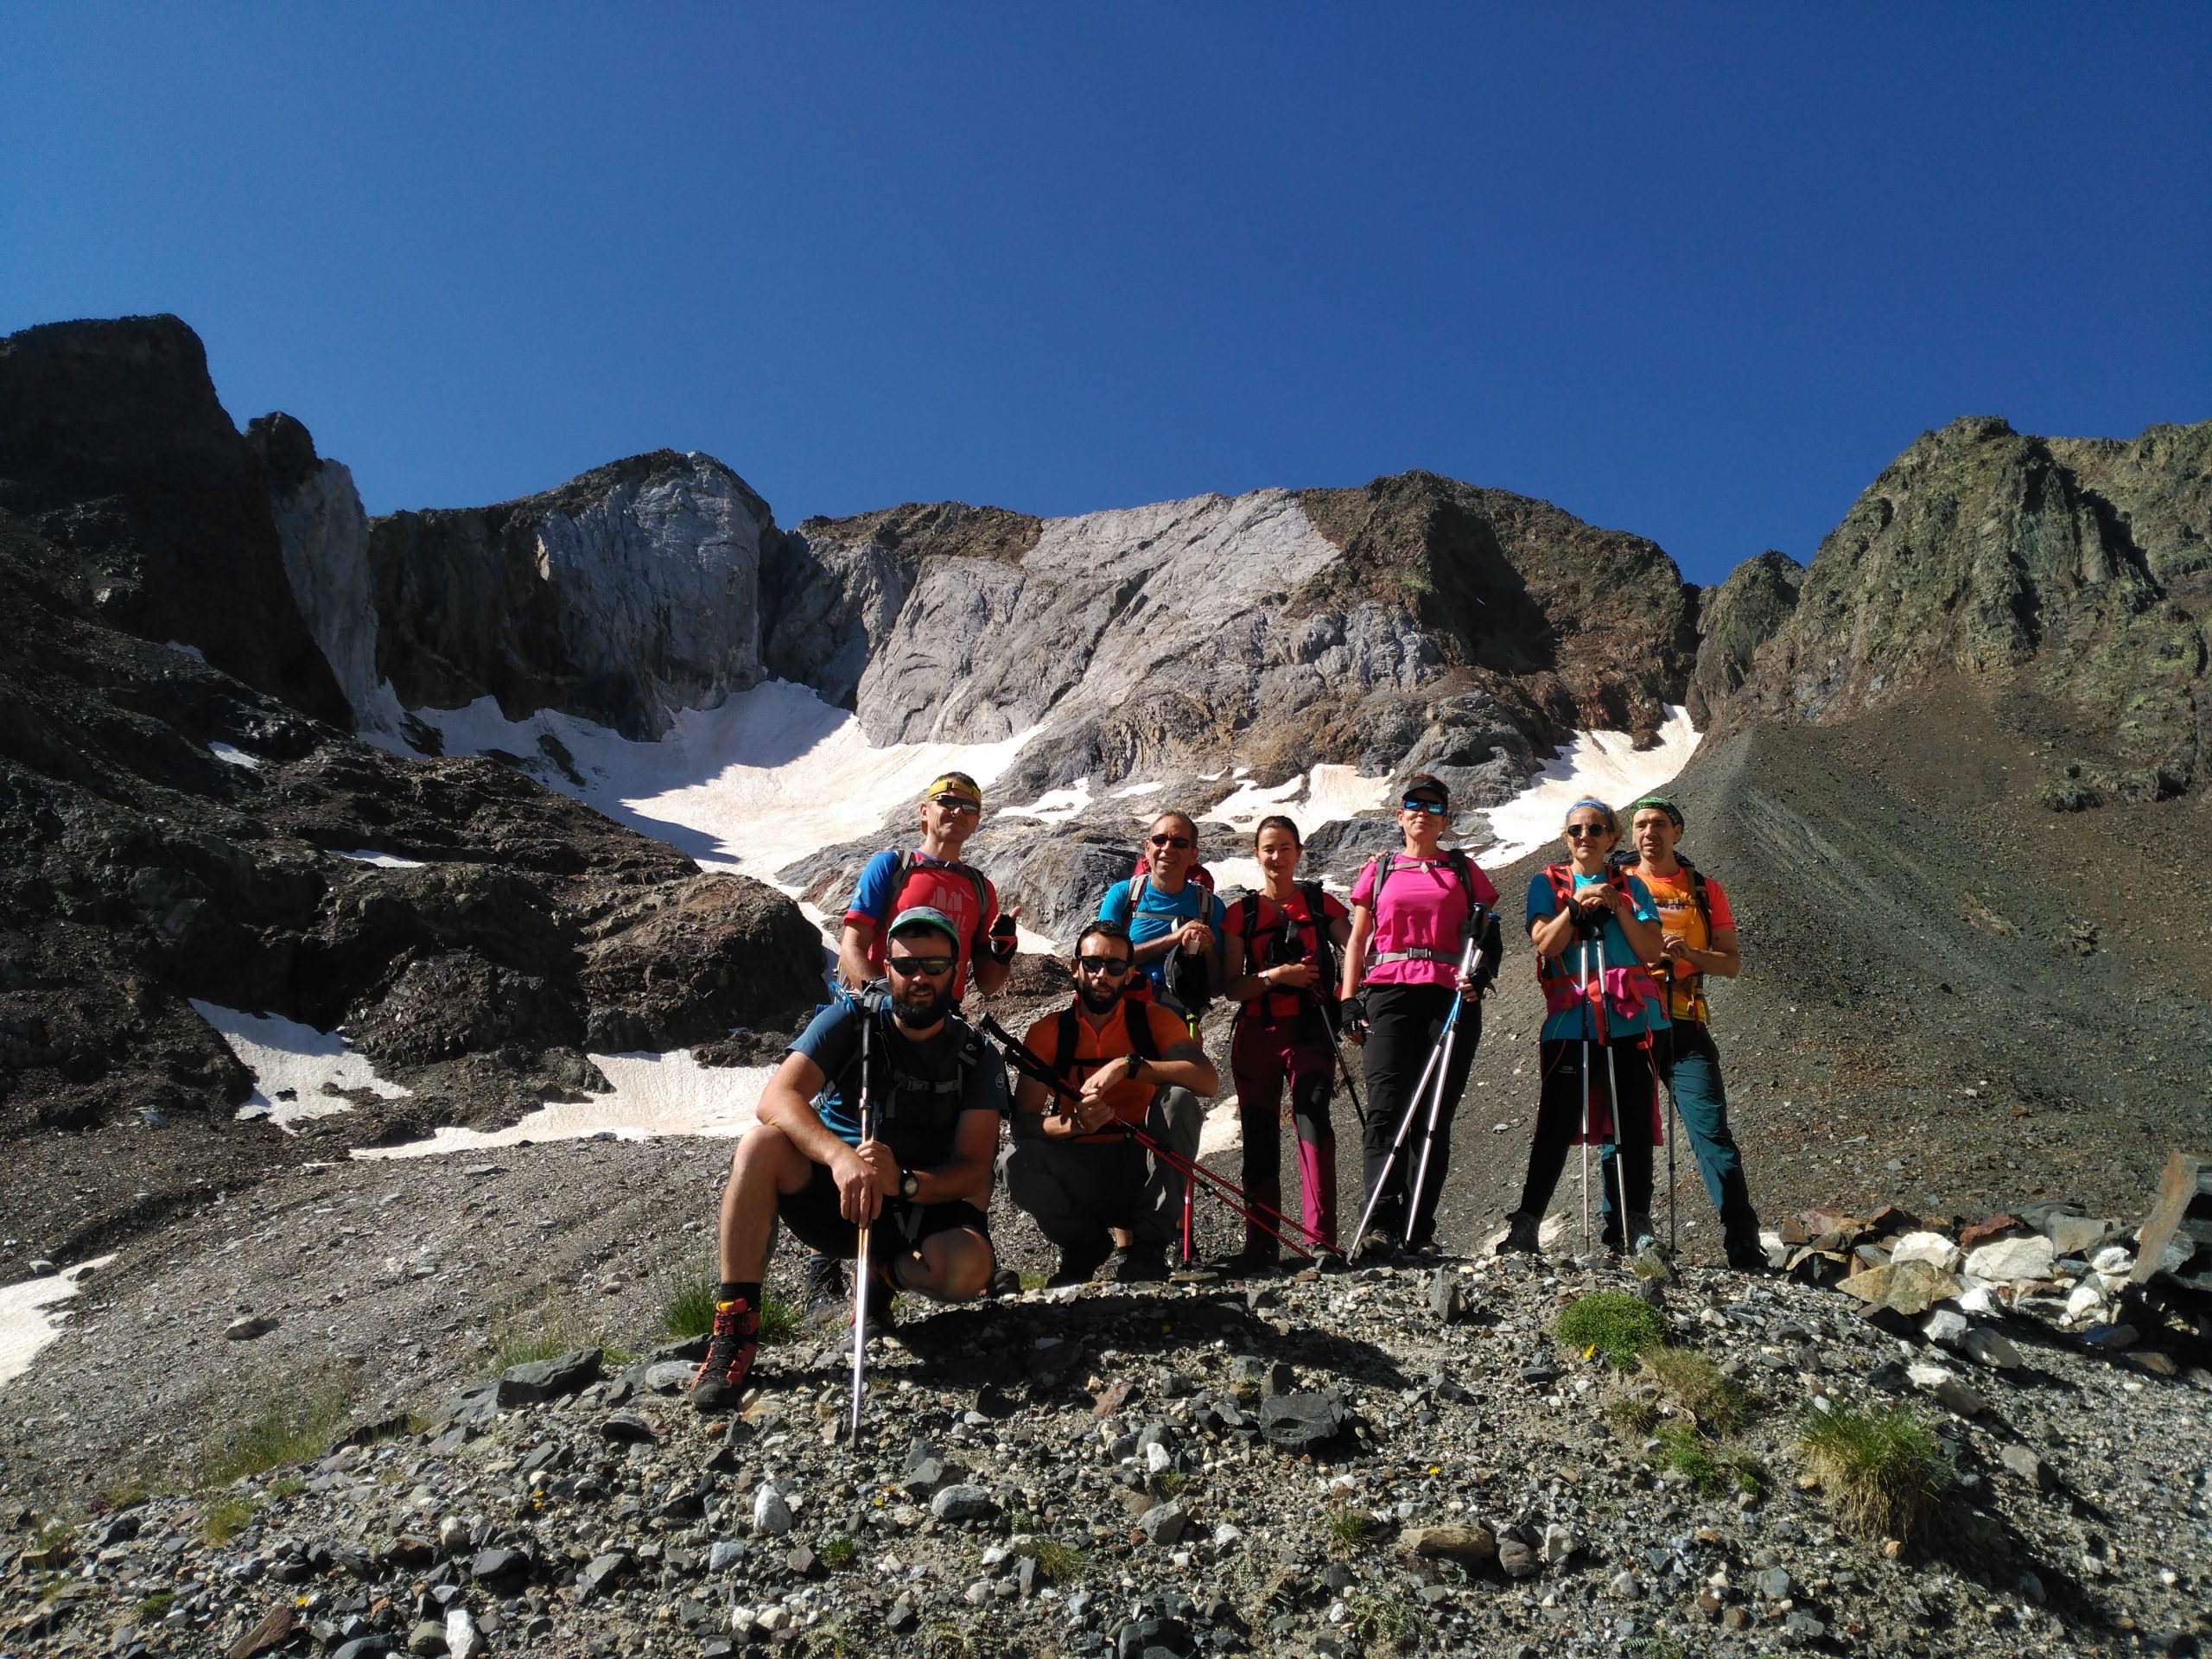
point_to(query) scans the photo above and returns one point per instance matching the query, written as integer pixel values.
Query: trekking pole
(1228, 1192)
(1470, 959)
(1331, 1017)
(1675, 1122)
(861, 1261)
(1585, 1081)
(1397, 1145)
(1613, 1106)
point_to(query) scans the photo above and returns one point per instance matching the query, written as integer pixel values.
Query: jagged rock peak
(623, 597)
(112, 435)
(1982, 551)
(1736, 619)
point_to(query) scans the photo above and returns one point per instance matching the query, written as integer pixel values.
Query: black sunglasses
(1410, 804)
(1112, 967)
(1170, 841)
(954, 803)
(907, 967)
(1586, 831)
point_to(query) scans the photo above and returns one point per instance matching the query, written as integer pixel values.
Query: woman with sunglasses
(1168, 914)
(1279, 949)
(1594, 926)
(1417, 908)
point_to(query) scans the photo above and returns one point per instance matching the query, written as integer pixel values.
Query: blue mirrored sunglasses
(1411, 804)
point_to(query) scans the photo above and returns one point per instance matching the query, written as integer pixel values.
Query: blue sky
(1693, 271)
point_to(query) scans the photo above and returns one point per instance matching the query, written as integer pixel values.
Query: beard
(917, 1005)
(1100, 996)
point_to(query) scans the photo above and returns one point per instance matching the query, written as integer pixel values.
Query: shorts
(811, 1214)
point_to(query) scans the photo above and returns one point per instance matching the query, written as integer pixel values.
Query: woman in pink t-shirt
(1414, 910)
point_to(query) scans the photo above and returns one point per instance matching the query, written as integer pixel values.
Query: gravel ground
(2080, 1523)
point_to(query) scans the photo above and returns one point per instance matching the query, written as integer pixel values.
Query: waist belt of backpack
(1416, 954)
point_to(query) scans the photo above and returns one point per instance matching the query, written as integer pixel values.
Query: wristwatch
(910, 1185)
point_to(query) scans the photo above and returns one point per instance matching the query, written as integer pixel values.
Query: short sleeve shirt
(1129, 1099)
(1571, 1024)
(1679, 915)
(923, 1091)
(950, 887)
(1156, 914)
(1264, 947)
(1422, 905)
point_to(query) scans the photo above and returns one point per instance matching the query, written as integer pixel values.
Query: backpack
(1198, 874)
(1286, 948)
(1492, 942)
(1692, 983)
(927, 1108)
(1560, 987)
(1188, 980)
(909, 861)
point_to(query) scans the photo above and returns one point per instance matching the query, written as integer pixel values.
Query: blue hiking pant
(1690, 1065)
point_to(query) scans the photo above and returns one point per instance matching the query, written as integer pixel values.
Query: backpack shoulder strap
(1384, 863)
(1138, 883)
(1136, 1020)
(899, 872)
(1249, 909)
(1063, 1045)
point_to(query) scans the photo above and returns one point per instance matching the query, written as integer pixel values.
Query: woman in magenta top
(1413, 912)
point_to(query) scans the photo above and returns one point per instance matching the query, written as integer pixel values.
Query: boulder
(1469, 1545)
(2012, 1261)
(1909, 1289)
(548, 1379)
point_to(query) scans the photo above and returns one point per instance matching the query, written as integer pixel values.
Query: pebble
(772, 1515)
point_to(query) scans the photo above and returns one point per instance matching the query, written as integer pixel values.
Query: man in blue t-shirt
(939, 1094)
(1169, 914)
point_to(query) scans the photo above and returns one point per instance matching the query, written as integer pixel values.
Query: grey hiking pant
(1074, 1190)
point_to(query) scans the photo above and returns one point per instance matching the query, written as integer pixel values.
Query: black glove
(1004, 938)
(1352, 1013)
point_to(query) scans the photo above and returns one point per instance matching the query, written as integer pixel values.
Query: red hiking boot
(729, 1357)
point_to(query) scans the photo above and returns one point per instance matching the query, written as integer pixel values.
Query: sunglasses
(1586, 831)
(1112, 967)
(954, 803)
(1178, 841)
(907, 967)
(1409, 804)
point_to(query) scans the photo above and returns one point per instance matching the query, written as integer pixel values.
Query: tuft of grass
(1717, 1404)
(128, 1495)
(1349, 1528)
(226, 1518)
(1171, 1481)
(1681, 1451)
(1061, 1563)
(1034, 1278)
(523, 1337)
(155, 1607)
(779, 1319)
(286, 1486)
(1745, 1470)
(1387, 1624)
(1635, 1416)
(1884, 1470)
(837, 1548)
(687, 1306)
(285, 1429)
(1611, 1323)
(946, 1637)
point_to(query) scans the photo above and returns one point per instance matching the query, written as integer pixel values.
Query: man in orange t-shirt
(1091, 1188)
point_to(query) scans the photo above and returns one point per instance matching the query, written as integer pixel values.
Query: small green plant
(612, 1353)
(1681, 1451)
(1656, 1647)
(1387, 1624)
(779, 1319)
(687, 1308)
(1171, 1481)
(57, 1535)
(838, 1549)
(523, 1337)
(1061, 1563)
(286, 1486)
(1611, 1323)
(128, 1495)
(1034, 1278)
(1743, 1470)
(155, 1607)
(948, 1638)
(1884, 1470)
(285, 1429)
(1349, 1528)
(226, 1518)
(1717, 1404)
(1635, 1416)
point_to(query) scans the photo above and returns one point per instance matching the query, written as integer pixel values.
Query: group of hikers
(883, 1121)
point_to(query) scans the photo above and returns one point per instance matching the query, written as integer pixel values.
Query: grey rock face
(1736, 619)
(625, 595)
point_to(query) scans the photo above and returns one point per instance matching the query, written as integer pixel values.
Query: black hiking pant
(1560, 1120)
(1405, 1023)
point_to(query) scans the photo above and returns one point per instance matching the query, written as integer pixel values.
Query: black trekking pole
(1252, 1210)
(1332, 1017)
(1612, 1108)
(1471, 959)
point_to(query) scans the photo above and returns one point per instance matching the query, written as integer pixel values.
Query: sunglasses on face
(907, 967)
(954, 803)
(1176, 841)
(1112, 967)
(1586, 831)
(1412, 805)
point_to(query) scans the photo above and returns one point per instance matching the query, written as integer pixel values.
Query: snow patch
(1135, 790)
(298, 1072)
(229, 754)
(1055, 805)
(767, 778)
(1321, 796)
(383, 860)
(30, 1316)
(1220, 1132)
(192, 651)
(1597, 765)
(653, 1095)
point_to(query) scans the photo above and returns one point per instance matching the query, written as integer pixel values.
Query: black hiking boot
(1253, 1262)
(1076, 1266)
(737, 1338)
(828, 1300)
(1136, 1264)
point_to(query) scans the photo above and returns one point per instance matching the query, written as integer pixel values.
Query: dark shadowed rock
(549, 1379)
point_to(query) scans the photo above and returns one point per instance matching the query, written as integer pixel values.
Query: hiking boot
(1375, 1250)
(1253, 1262)
(1005, 1281)
(1643, 1236)
(736, 1337)
(1136, 1264)
(1749, 1256)
(1076, 1266)
(828, 1301)
(1523, 1235)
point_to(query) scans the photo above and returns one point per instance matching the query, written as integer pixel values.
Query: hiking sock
(739, 1290)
